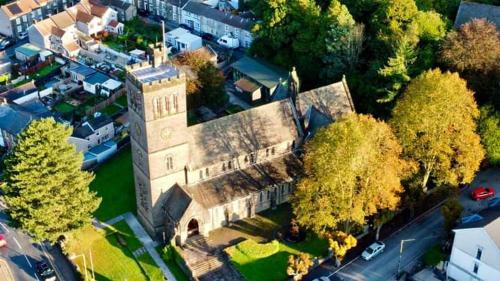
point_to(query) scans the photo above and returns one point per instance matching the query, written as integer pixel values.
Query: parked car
(374, 250)
(3, 242)
(45, 271)
(229, 42)
(480, 193)
(207, 36)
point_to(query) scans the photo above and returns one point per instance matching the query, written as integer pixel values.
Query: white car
(372, 251)
(322, 278)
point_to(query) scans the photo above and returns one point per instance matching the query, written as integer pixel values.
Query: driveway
(421, 234)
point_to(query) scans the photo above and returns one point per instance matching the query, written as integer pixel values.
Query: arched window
(273, 150)
(169, 162)
(223, 167)
(207, 172)
(230, 164)
(246, 158)
(201, 174)
(267, 152)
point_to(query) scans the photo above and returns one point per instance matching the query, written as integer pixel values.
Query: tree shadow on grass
(271, 268)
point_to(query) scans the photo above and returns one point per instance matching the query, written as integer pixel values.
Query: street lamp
(401, 252)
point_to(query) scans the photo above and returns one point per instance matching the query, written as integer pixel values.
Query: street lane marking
(17, 242)
(58, 274)
(27, 260)
(4, 227)
(36, 277)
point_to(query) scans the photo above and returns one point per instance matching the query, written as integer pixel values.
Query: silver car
(372, 251)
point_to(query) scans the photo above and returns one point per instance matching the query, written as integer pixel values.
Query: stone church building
(190, 180)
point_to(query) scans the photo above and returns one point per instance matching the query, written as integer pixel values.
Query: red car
(482, 193)
(3, 242)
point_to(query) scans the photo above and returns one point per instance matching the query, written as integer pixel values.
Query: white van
(229, 42)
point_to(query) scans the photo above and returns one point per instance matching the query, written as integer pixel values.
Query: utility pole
(401, 253)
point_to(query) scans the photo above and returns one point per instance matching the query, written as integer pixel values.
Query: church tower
(156, 93)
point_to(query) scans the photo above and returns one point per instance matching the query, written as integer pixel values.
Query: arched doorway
(193, 228)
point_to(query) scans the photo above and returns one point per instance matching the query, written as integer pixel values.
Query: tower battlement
(148, 78)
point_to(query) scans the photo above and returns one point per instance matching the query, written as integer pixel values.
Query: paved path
(426, 232)
(148, 243)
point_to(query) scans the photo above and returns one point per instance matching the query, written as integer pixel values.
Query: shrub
(255, 250)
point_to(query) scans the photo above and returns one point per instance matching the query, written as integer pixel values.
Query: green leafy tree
(212, 86)
(489, 129)
(451, 211)
(341, 242)
(394, 20)
(435, 123)
(46, 191)
(343, 41)
(431, 26)
(474, 47)
(298, 265)
(396, 70)
(352, 169)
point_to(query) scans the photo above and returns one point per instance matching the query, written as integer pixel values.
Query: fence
(101, 105)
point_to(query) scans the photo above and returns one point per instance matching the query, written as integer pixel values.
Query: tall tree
(381, 218)
(343, 41)
(46, 191)
(435, 123)
(352, 169)
(474, 47)
(489, 129)
(298, 266)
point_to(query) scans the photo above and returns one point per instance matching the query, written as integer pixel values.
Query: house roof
(117, 4)
(113, 23)
(112, 84)
(240, 183)
(103, 147)
(490, 222)
(246, 85)
(188, 38)
(82, 70)
(12, 120)
(88, 128)
(261, 72)
(241, 133)
(217, 15)
(469, 10)
(82, 131)
(98, 10)
(18, 8)
(63, 19)
(84, 17)
(100, 121)
(96, 78)
(71, 46)
(177, 32)
(18, 92)
(28, 50)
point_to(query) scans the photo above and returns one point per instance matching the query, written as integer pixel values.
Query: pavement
(417, 237)
(21, 255)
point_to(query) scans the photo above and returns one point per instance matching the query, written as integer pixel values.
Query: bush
(433, 256)
(255, 250)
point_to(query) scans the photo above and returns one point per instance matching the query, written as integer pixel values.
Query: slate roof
(12, 120)
(490, 223)
(28, 50)
(241, 183)
(241, 133)
(20, 91)
(100, 121)
(18, 8)
(177, 203)
(117, 4)
(96, 78)
(82, 131)
(217, 15)
(259, 71)
(88, 128)
(469, 10)
(82, 70)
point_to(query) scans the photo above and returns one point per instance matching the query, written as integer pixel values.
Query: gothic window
(267, 152)
(246, 158)
(156, 108)
(201, 174)
(207, 172)
(167, 105)
(273, 151)
(260, 197)
(169, 162)
(230, 164)
(252, 158)
(223, 167)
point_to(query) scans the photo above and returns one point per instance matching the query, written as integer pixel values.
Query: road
(21, 254)
(426, 231)
(10, 51)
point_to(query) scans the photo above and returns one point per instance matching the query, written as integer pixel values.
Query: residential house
(126, 11)
(205, 19)
(183, 40)
(92, 133)
(79, 72)
(476, 248)
(100, 84)
(16, 17)
(470, 10)
(28, 52)
(18, 107)
(173, 9)
(61, 32)
(255, 80)
(115, 27)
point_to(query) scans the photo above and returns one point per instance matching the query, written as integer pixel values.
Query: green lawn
(46, 70)
(127, 234)
(147, 263)
(64, 107)
(114, 183)
(173, 266)
(111, 109)
(269, 264)
(110, 259)
(122, 101)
